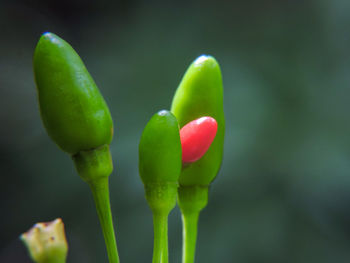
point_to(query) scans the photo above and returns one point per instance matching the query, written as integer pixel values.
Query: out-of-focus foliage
(283, 193)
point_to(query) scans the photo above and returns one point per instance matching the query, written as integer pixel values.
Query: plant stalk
(191, 199)
(100, 191)
(160, 248)
(190, 223)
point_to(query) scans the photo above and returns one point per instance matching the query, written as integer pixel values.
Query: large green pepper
(73, 111)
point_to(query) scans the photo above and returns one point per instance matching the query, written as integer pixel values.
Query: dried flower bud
(46, 242)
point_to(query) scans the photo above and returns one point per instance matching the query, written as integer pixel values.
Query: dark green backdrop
(283, 193)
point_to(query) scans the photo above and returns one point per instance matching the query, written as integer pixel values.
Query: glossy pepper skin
(160, 166)
(199, 94)
(78, 120)
(74, 112)
(196, 138)
(160, 150)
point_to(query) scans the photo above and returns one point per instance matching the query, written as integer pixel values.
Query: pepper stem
(161, 197)
(190, 223)
(160, 248)
(191, 199)
(165, 255)
(100, 191)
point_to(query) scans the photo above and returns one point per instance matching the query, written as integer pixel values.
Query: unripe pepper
(199, 94)
(74, 112)
(160, 167)
(160, 150)
(78, 120)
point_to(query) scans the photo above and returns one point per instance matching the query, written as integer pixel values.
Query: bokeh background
(283, 193)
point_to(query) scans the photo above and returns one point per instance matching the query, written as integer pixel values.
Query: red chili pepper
(196, 138)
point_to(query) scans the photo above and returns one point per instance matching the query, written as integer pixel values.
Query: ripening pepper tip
(196, 138)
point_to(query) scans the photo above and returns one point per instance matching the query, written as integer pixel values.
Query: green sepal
(192, 199)
(93, 164)
(199, 94)
(161, 197)
(74, 112)
(160, 150)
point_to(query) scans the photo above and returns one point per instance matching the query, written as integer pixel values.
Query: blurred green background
(283, 193)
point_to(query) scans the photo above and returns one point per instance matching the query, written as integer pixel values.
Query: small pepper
(160, 167)
(160, 150)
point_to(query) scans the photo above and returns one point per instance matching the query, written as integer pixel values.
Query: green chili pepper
(160, 167)
(78, 120)
(74, 112)
(199, 94)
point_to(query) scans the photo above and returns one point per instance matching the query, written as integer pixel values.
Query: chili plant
(78, 120)
(180, 151)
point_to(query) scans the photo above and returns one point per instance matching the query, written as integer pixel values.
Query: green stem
(190, 222)
(100, 191)
(165, 256)
(191, 199)
(160, 248)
